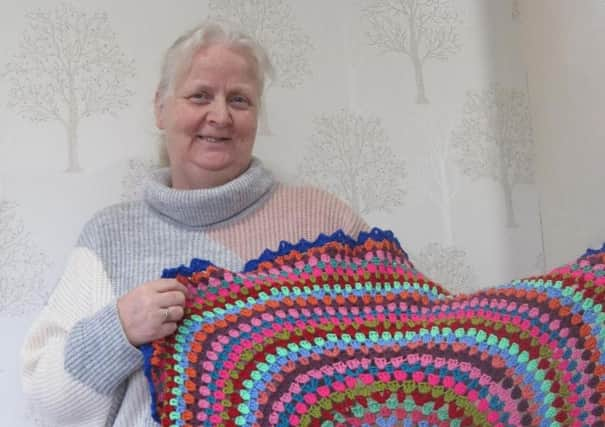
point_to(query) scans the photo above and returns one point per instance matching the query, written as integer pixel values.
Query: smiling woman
(209, 112)
(81, 361)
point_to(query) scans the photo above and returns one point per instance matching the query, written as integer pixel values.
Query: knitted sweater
(79, 369)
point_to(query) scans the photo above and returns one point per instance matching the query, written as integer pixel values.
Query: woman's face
(210, 120)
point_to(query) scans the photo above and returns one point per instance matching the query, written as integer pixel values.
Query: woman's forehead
(221, 63)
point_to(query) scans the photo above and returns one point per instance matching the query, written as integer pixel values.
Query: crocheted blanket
(346, 332)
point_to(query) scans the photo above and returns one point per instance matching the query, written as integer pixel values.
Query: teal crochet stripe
(344, 331)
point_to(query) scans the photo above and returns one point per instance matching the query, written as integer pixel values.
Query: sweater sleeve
(76, 355)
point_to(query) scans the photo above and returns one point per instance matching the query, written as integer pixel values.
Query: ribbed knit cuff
(98, 354)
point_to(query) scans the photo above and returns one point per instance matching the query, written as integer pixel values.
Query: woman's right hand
(151, 310)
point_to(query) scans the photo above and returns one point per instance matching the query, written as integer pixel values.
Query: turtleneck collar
(205, 207)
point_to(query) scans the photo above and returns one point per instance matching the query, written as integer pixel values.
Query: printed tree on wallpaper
(349, 155)
(132, 181)
(272, 23)
(22, 267)
(69, 67)
(447, 265)
(494, 141)
(440, 183)
(422, 30)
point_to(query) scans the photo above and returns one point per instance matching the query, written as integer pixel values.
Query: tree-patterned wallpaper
(349, 155)
(394, 105)
(422, 30)
(69, 67)
(23, 265)
(494, 141)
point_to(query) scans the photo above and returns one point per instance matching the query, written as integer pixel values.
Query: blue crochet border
(590, 251)
(147, 350)
(284, 248)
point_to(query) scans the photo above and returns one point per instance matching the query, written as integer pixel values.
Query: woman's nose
(218, 113)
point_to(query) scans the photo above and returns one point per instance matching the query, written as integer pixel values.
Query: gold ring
(165, 313)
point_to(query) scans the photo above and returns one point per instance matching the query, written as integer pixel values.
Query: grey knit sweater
(79, 369)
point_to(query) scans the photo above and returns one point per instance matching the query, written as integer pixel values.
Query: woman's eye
(200, 97)
(240, 101)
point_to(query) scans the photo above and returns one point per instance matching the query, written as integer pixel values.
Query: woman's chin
(217, 173)
(218, 168)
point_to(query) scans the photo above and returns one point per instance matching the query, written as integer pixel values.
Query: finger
(167, 299)
(163, 315)
(167, 329)
(167, 285)
(171, 314)
(176, 313)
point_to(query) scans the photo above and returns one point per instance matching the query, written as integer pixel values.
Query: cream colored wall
(565, 53)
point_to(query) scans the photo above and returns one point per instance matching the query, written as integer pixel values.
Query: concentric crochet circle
(346, 332)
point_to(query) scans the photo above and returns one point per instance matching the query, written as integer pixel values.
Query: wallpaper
(415, 112)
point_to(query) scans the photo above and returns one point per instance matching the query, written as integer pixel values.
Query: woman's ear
(158, 104)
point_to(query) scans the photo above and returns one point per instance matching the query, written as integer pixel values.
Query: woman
(216, 201)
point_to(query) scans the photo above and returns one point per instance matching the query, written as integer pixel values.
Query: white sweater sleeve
(76, 355)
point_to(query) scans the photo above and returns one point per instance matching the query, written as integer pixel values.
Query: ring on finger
(165, 313)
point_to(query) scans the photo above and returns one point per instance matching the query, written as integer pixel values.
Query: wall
(564, 45)
(437, 134)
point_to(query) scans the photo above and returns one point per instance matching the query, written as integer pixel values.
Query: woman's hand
(151, 310)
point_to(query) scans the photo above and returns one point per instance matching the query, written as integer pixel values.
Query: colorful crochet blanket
(346, 332)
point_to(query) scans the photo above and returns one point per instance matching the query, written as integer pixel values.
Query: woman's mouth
(213, 139)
